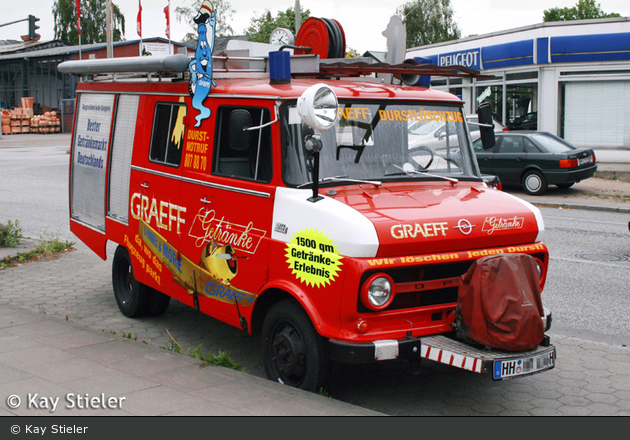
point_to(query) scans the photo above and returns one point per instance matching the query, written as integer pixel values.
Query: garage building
(570, 78)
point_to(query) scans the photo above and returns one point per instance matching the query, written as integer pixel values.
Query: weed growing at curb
(222, 359)
(10, 234)
(323, 392)
(46, 249)
(129, 336)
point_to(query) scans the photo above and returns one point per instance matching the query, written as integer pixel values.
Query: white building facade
(573, 77)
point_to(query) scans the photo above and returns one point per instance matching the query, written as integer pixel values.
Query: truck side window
(239, 153)
(168, 134)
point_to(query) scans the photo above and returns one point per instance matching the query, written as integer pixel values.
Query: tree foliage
(261, 26)
(93, 22)
(224, 13)
(583, 10)
(428, 21)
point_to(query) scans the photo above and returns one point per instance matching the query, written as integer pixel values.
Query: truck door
(227, 190)
(158, 216)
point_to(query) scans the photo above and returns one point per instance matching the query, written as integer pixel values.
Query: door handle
(145, 185)
(205, 201)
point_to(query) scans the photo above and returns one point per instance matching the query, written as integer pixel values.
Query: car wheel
(565, 185)
(158, 303)
(131, 296)
(293, 352)
(534, 183)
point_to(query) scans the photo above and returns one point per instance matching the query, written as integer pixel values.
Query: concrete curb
(580, 206)
(26, 245)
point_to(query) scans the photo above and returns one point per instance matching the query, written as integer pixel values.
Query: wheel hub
(288, 355)
(533, 183)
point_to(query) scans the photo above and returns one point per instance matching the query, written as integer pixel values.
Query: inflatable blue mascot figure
(201, 67)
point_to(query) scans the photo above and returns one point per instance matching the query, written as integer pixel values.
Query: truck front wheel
(131, 296)
(293, 352)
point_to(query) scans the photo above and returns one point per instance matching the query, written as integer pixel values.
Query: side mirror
(318, 107)
(486, 126)
(238, 136)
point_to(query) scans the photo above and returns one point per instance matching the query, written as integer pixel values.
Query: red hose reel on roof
(324, 36)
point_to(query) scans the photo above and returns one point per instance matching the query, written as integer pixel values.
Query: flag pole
(170, 49)
(78, 6)
(139, 25)
(108, 20)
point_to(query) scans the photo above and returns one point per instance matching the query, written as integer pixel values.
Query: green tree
(224, 13)
(583, 10)
(261, 26)
(93, 22)
(428, 21)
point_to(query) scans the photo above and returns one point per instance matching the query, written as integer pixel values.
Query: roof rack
(229, 66)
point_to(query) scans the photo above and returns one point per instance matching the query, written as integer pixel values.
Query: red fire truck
(302, 199)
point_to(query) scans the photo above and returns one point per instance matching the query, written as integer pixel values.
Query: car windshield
(552, 144)
(380, 142)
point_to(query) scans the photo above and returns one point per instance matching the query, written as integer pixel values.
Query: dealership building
(572, 78)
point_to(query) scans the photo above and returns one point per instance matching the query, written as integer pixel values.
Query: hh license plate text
(509, 368)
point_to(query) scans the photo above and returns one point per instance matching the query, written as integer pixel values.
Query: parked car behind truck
(296, 210)
(534, 160)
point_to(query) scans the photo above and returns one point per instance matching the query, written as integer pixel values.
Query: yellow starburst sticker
(313, 258)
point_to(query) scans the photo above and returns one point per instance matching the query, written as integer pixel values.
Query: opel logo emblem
(464, 226)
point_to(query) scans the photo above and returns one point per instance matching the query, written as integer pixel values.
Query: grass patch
(222, 359)
(45, 250)
(10, 234)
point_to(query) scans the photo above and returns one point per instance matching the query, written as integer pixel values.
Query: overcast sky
(363, 21)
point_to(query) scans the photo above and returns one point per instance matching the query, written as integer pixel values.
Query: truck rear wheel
(158, 303)
(293, 352)
(131, 296)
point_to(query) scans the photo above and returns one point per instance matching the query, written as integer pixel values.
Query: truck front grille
(426, 285)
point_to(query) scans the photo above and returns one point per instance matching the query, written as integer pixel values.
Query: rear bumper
(555, 177)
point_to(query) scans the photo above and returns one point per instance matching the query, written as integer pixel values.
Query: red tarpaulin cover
(499, 300)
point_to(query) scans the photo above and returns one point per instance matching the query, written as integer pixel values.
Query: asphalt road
(34, 190)
(589, 271)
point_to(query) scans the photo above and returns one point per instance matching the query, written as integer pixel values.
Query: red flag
(168, 28)
(139, 22)
(78, 3)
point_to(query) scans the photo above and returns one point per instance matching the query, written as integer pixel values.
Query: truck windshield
(381, 142)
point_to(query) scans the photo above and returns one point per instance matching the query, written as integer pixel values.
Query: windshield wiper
(342, 179)
(424, 173)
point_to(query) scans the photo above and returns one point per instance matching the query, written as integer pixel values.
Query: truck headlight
(377, 292)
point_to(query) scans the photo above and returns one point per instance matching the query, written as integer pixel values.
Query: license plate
(584, 160)
(523, 366)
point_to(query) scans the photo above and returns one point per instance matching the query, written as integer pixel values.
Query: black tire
(158, 303)
(565, 185)
(534, 183)
(131, 296)
(293, 352)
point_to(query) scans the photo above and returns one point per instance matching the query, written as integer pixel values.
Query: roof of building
(56, 48)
